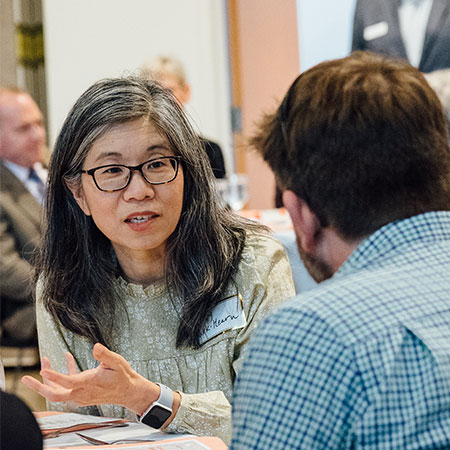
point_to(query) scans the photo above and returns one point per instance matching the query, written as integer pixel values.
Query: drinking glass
(233, 190)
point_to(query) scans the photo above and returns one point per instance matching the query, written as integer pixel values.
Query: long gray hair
(77, 263)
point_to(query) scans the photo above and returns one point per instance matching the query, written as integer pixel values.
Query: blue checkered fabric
(363, 360)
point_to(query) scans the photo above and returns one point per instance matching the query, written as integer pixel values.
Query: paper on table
(65, 423)
(179, 445)
(69, 419)
(202, 443)
(134, 430)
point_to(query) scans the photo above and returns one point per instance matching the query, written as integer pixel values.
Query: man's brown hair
(363, 141)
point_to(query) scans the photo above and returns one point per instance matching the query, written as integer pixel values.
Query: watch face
(156, 416)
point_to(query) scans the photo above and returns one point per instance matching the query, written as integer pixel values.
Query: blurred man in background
(22, 184)
(170, 73)
(416, 30)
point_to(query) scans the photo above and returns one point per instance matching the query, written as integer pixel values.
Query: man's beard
(318, 269)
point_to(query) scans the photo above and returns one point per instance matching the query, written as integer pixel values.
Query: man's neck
(334, 249)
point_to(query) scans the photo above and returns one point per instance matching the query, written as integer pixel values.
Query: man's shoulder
(397, 275)
(209, 143)
(8, 181)
(5, 172)
(368, 303)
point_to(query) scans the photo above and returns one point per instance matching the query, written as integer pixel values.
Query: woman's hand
(113, 381)
(48, 389)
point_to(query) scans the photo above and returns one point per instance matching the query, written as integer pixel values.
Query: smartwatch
(160, 410)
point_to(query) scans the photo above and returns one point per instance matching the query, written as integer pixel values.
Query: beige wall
(87, 40)
(21, 49)
(8, 63)
(264, 54)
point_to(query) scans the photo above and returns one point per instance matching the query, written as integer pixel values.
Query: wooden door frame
(264, 59)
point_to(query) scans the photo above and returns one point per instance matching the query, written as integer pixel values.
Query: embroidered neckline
(157, 288)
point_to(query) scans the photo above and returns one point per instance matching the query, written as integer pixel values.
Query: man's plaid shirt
(363, 360)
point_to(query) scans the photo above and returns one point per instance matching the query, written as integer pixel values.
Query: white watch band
(165, 399)
(166, 396)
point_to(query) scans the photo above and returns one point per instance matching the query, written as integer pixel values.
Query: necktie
(39, 187)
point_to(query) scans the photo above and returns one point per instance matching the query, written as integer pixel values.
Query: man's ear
(306, 225)
(78, 195)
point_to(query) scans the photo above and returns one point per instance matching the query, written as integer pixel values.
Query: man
(22, 179)
(360, 147)
(170, 73)
(417, 30)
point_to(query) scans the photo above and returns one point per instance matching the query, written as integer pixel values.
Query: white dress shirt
(413, 16)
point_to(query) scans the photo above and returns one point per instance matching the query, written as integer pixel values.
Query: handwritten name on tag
(227, 315)
(376, 30)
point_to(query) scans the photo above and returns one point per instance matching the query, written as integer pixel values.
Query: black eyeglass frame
(132, 169)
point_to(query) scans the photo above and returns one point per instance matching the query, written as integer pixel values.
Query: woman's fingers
(30, 382)
(45, 363)
(50, 392)
(66, 381)
(108, 358)
(71, 364)
(107, 383)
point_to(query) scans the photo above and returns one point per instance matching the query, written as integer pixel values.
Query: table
(54, 419)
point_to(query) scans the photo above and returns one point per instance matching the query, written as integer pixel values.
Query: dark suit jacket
(215, 156)
(436, 48)
(20, 226)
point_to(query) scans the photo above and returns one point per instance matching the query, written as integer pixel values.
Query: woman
(139, 257)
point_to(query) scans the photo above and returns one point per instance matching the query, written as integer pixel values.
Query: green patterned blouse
(145, 335)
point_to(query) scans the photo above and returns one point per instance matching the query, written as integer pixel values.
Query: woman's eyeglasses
(115, 177)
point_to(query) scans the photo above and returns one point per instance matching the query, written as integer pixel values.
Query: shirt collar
(22, 173)
(415, 3)
(427, 227)
(19, 171)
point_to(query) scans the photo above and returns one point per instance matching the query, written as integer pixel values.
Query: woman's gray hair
(114, 101)
(77, 261)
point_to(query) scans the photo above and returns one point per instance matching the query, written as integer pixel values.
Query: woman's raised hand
(113, 381)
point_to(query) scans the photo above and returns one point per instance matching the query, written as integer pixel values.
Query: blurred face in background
(181, 91)
(22, 134)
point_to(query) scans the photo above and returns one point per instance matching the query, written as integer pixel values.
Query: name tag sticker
(376, 30)
(226, 316)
